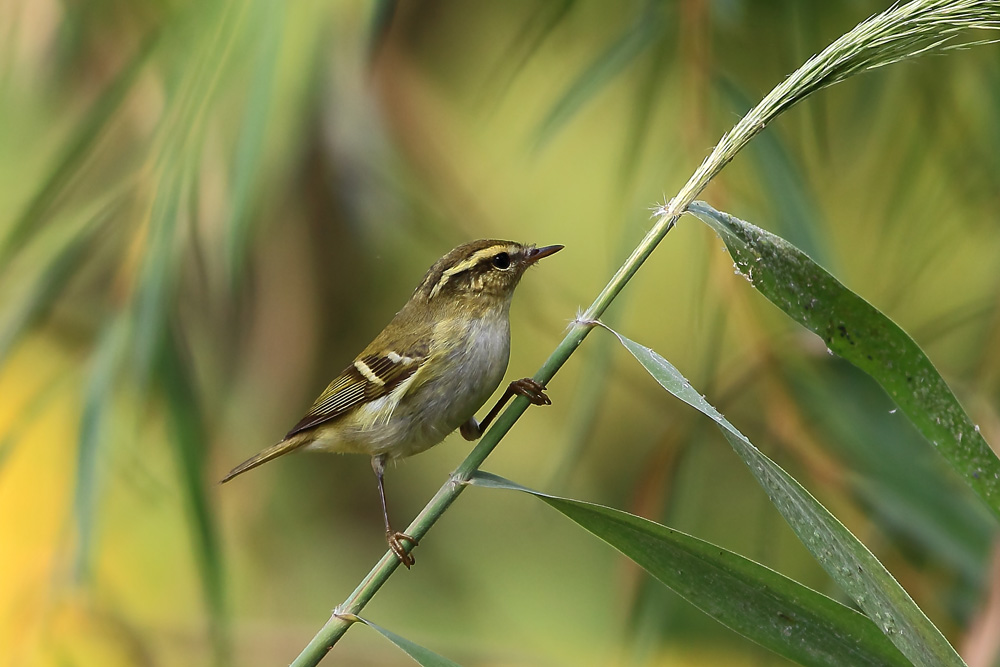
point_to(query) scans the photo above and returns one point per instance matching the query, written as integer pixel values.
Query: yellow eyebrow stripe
(466, 264)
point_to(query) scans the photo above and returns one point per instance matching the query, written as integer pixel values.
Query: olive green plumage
(427, 372)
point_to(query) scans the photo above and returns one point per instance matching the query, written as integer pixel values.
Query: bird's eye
(501, 260)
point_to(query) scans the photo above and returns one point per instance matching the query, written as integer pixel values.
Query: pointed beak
(536, 254)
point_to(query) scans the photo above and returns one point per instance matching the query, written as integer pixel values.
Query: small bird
(426, 374)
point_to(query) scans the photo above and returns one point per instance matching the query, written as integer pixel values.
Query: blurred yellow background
(208, 208)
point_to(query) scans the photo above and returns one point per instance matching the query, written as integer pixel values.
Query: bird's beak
(536, 254)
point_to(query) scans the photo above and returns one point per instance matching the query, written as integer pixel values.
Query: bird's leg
(394, 538)
(527, 387)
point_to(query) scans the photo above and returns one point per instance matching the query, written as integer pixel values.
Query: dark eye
(501, 260)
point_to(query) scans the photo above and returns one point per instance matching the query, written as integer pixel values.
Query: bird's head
(483, 272)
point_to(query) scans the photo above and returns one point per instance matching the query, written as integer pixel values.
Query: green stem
(900, 32)
(343, 615)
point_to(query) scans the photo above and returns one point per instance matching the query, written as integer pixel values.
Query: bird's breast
(460, 376)
(474, 368)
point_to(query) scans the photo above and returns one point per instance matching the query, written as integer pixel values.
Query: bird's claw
(531, 390)
(395, 540)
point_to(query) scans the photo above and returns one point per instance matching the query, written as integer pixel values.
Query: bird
(427, 373)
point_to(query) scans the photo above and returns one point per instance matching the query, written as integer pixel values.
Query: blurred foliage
(210, 207)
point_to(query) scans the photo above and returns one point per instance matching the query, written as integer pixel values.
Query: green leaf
(268, 23)
(840, 553)
(43, 289)
(179, 143)
(644, 101)
(601, 71)
(855, 330)
(150, 303)
(420, 655)
(190, 445)
(92, 437)
(73, 156)
(776, 612)
(907, 491)
(546, 17)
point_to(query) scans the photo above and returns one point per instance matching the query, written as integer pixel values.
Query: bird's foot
(531, 390)
(395, 540)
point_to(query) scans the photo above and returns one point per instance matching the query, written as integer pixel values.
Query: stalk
(901, 32)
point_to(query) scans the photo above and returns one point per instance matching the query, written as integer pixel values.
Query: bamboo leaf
(840, 553)
(776, 612)
(420, 655)
(92, 436)
(268, 23)
(600, 72)
(855, 330)
(175, 162)
(76, 151)
(43, 289)
(906, 490)
(644, 101)
(546, 18)
(903, 31)
(190, 445)
(155, 288)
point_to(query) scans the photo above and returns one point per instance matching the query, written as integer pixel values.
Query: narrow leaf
(420, 655)
(855, 330)
(546, 18)
(175, 163)
(901, 482)
(42, 290)
(90, 448)
(840, 553)
(903, 31)
(645, 95)
(76, 150)
(600, 72)
(776, 612)
(190, 445)
(151, 300)
(269, 21)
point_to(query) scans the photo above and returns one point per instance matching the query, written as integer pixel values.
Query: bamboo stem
(901, 32)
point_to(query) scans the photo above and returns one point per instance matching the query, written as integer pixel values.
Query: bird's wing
(370, 377)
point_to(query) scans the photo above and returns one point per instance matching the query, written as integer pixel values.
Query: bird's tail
(272, 452)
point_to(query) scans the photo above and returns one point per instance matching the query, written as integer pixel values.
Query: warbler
(435, 364)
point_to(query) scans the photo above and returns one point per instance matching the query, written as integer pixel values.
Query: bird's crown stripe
(475, 258)
(469, 262)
